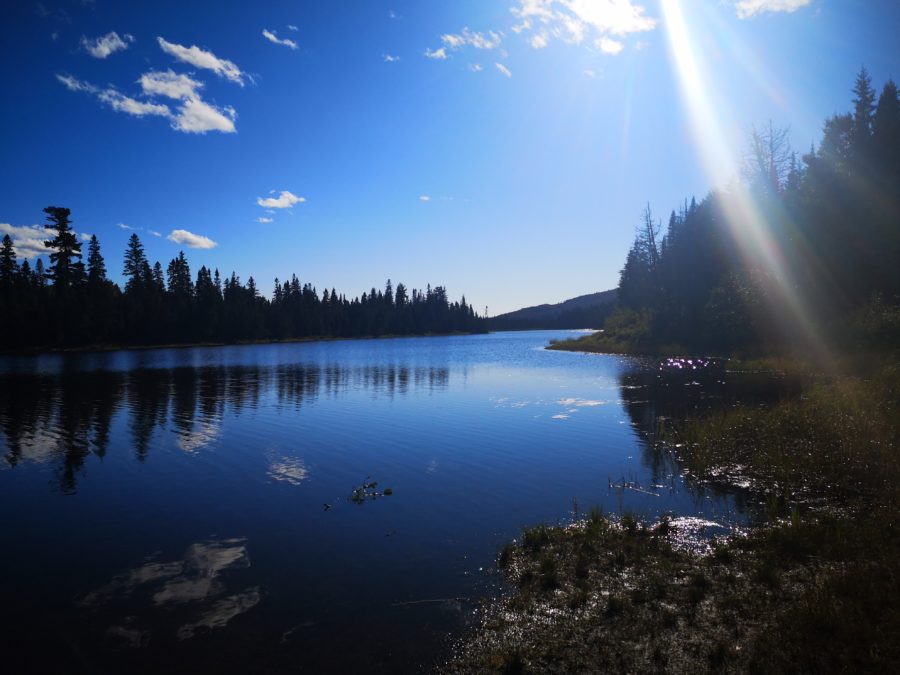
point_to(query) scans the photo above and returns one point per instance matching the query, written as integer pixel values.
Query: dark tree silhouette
(66, 269)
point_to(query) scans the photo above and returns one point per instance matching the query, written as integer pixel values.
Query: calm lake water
(190, 509)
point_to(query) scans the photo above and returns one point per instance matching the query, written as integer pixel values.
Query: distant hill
(585, 311)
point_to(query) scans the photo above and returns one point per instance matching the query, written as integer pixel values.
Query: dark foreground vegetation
(812, 590)
(72, 303)
(815, 291)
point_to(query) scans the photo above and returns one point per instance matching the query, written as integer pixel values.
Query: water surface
(183, 509)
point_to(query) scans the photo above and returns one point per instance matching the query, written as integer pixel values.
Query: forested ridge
(71, 302)
(822, 246)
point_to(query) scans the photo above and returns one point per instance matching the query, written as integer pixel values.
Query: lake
(225, 509)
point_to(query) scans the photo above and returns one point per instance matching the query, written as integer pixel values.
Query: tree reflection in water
(66, 417)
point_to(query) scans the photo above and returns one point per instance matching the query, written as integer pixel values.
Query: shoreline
(809, 588)
(97, 349)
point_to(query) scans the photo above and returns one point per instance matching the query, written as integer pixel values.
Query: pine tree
(863, 109)
(95, 262)
(886, 130)
(8, 266)
(66, 268)
(135, 265)
(40, 276)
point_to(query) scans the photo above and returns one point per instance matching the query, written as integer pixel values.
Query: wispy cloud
(263, 219)
(575, 21)
(609, 46)
(466, 37)
(196, 116)
(283, 201)
(292, 27)
(201, 58)
(190, 239)
(503, 69)
(424, 198)
(168, 83)
(103, 46)
(115, 99)
(85, 236)
(749, 8)
(476, 67)
(28, 240)
(124, 226)
(390, 58)
(193, 115)
(154, 233)
(272, 37)
(489, 40)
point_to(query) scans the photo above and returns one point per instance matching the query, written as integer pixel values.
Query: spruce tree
(66, 268)
(135, 264)
(8, 266)
(95, 262)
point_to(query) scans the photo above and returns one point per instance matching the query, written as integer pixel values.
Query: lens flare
(747, 225)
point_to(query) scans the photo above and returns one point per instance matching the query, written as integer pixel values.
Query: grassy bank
(813, 590)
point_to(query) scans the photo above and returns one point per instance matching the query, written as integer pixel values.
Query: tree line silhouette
(73, 303)
(829, 239)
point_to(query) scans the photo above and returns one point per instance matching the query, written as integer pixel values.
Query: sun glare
(747, 225)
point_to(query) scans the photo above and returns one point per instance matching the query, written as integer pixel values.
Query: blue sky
(504, 149)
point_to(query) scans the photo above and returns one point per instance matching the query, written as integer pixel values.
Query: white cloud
(390, 58)
(203, 59)
(456, 41)
(194, 115)
(609, 46)
(74, 84)
(748, 8)
(589, 73)
(574, 21)
(115, 99)
(539, 41)
(491, 40)
(424, 198)
(503, 69)
(84, 236)
(198, 117)
(105, 45)
(159, 83)
(453, 41)
(263, 219)
(124, 226)
(284, 201)
(272, 37)
(190, 239)
(131, 106)
(292, 27)
(28, 240)
(154, 233)
(476, 67)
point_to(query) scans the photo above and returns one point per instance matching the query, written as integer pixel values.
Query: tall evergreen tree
(8, 266)
(135, 265)
(66, 269)
(95, 263)
(863, 109)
